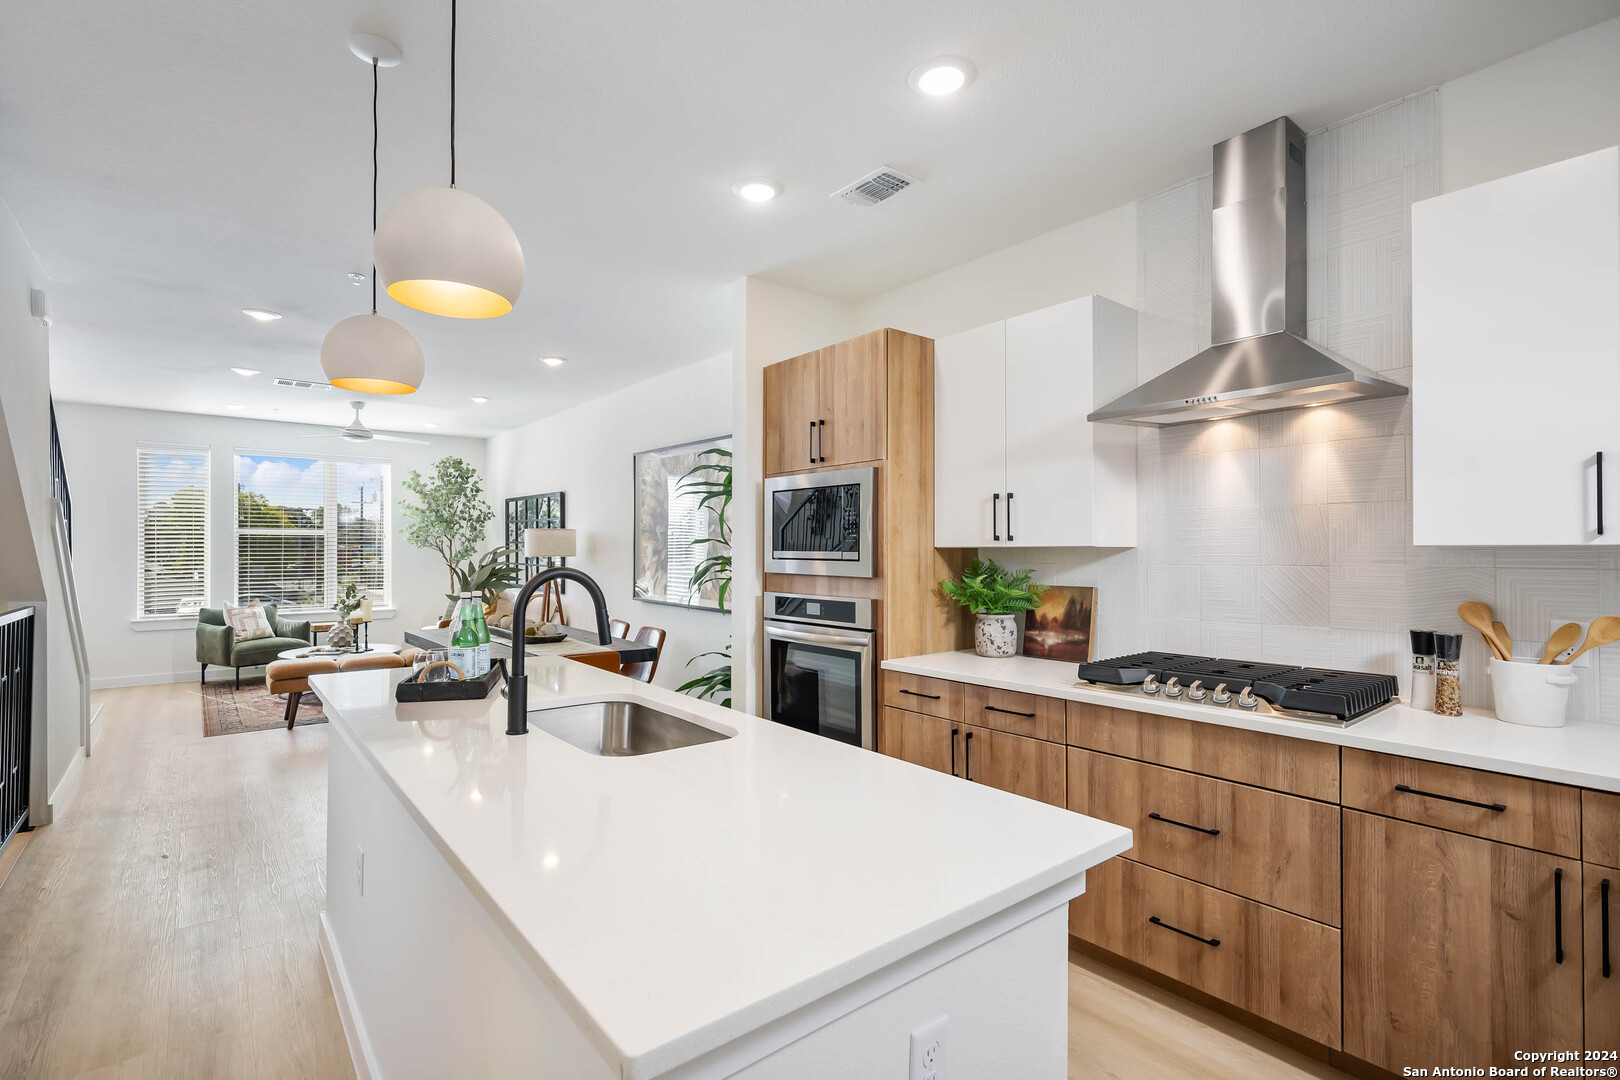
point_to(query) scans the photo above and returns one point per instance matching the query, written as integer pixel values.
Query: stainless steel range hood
(1260, 360)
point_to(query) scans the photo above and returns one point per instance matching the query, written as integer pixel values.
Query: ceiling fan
(358, 432)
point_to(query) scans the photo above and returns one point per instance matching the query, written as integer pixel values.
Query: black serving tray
(454, 690)
(528, 639)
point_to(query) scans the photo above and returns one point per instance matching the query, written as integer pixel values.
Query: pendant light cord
(452, 93)
(374, 183)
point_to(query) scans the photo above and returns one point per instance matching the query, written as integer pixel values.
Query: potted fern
(995, 597)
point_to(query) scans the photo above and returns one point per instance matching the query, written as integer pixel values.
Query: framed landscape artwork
(1062, 627)
(668, 521)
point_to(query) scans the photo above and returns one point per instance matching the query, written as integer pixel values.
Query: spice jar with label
(1423, 670)
(1447, 676)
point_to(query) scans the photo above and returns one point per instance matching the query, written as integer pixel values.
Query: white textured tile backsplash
(1287, 536)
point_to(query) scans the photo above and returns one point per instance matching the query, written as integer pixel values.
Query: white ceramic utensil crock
(1533, 694)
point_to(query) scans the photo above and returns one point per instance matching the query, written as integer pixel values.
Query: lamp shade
(372, 354)
(549, 543)
(446, 252)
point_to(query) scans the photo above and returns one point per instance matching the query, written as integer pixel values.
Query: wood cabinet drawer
(918, 693)
(1600, 828)
(1601, 906)
(1278, 849)
(1247, 757)
(1021, 714)
(1032, 768)
(1512, 809)
(1273, 964)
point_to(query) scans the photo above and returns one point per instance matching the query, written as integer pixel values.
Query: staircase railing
(63, 544)
(16, 718)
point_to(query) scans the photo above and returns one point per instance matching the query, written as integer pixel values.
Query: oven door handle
(858, 639)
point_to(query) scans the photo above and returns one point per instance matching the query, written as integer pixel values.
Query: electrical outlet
(1585, 659)
(928, 1051)
(360, 869)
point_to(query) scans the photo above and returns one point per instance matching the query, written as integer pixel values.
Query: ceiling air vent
(875, 187)
(301, 384)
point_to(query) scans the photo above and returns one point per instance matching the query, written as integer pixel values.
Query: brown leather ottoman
(371, 661)
(291, 677)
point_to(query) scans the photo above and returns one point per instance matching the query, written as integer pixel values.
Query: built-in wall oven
(821, 523)
(820, 662)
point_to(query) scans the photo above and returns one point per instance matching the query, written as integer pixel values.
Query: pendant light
(373, 354)
(446, 252)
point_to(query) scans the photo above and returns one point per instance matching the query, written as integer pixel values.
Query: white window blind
(171, 484)
(304, 526)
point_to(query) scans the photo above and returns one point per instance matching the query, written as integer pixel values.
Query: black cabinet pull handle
(995, 516)
(1558, 915)
(1496, 806)
(1184, 825)
(953, 750)
(967, 755)
(821, 438)
(810, 443)
(1603, 916)
(1600, 491)
(1212, 942)
(914, 693)
(1009, 517)
(1009, 712)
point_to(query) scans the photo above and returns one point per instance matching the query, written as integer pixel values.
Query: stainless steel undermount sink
(620, 728)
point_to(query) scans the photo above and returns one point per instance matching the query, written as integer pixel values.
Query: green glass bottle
(464, 638)
(482, 627)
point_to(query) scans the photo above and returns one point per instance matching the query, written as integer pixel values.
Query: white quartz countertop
(1587, 755)
(678, 900)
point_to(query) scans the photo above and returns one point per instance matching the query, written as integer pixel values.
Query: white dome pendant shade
(372, 354)
(446, 252)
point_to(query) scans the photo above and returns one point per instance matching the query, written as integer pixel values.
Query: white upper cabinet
(1516, 358)
(1015, 460)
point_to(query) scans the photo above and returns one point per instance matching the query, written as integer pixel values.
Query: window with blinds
(171, 484)
(304, 526)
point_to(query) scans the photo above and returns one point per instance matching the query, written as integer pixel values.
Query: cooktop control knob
(1150, 685)
(1173, 687)
(1196, 691)
(1221, 696)
(1247, 700)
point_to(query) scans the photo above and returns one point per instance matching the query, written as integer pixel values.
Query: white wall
(29, 574)
(1545, 105)
(586, 452)
(98, 446)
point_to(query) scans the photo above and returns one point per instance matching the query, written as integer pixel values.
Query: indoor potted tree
(995, 597)
(450, 516)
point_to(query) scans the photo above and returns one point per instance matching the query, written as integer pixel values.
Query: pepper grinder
(1447, 678)
(1423, 670)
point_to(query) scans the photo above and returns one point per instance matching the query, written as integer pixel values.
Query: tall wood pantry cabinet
(1516, 358)
(1016, 461)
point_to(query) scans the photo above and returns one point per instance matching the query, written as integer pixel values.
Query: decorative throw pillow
(248, 621)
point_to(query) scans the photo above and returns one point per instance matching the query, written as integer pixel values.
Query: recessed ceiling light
(430, 426)
(554, 361)
(357, 279)
(236, 408)
(261, 314)
(479, 400)
(941, 76)
(245, 372)
(756, 189)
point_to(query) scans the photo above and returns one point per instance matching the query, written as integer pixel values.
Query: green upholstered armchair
(217, 644)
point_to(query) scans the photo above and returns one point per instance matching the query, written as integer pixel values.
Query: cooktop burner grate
(1345, 694)
(1132, 670)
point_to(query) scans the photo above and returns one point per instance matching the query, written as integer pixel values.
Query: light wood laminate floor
(165, 927)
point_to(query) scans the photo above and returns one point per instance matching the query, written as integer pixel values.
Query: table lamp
(546, 544)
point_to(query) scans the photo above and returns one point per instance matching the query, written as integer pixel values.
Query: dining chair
(644, 671)
(620, 628)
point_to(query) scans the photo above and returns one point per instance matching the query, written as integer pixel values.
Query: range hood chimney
(1260, 360)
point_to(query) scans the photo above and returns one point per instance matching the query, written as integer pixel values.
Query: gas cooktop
(1283, 690)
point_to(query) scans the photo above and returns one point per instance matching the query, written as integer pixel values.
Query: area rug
(228, 711)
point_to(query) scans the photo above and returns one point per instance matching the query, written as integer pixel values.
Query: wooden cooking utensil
(1561, 639)
(1482, 618)
(1504, 638)
(1603, 631)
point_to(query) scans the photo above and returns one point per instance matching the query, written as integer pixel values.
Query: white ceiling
(172, 162)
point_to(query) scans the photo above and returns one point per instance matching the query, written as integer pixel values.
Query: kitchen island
(768, 904)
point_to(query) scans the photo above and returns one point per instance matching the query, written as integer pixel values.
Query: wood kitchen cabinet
(1600, 887)
(1028, 767)
(1516, 331)
(922, 740)
(1016, 461)
(827, 408)
(1457, 949)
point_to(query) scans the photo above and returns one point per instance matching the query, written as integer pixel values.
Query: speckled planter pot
(995, 635)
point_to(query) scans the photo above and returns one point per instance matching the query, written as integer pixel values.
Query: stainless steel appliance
(1294, 693)
(1260, 359)
(821, 523)
(821, 666)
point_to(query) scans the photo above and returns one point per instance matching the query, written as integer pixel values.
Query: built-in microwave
(821, 523)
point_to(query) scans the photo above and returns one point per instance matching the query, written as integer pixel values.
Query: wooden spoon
(1603, 631)
(1504, 637)
(1561, 639)
(1482, 618)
